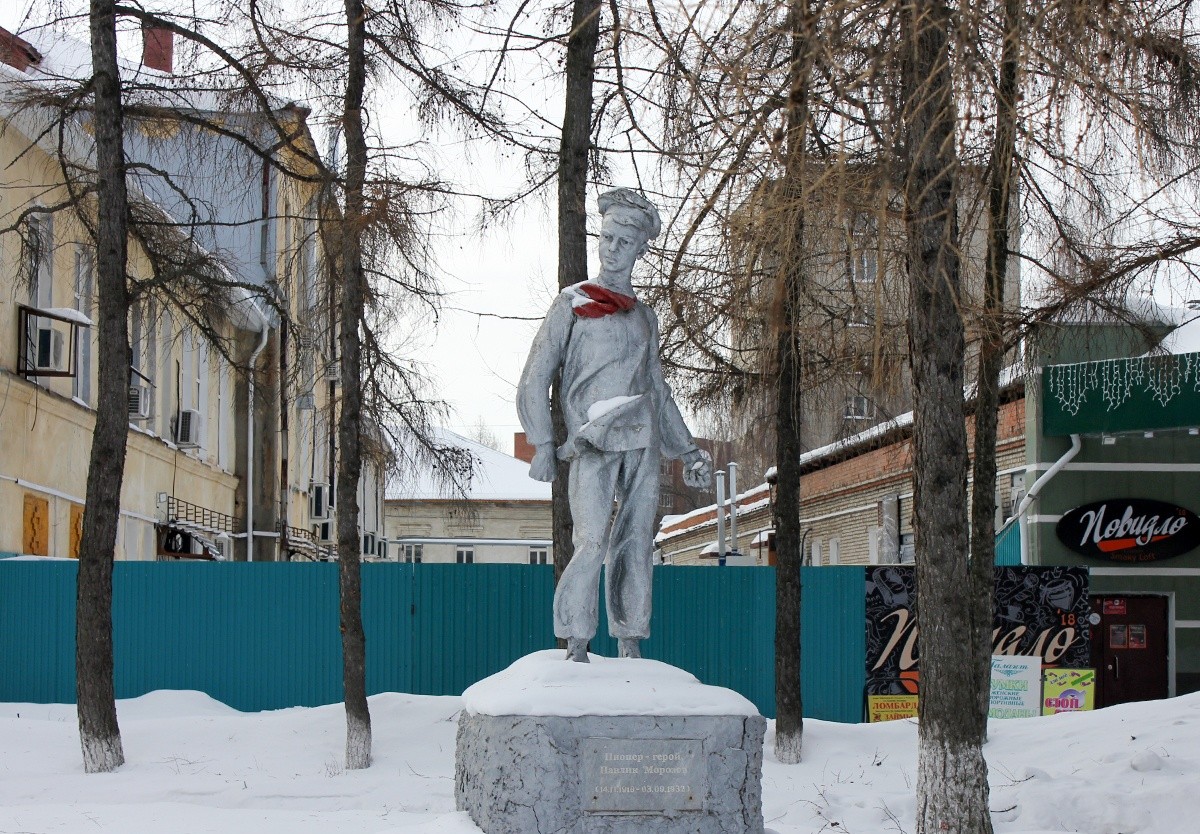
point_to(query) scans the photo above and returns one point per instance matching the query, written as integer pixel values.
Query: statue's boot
(628, 647)
(577, 649)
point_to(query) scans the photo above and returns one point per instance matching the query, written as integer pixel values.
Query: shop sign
(1130, 530)
(890, 707)
(1068, 690)
(1016, 690)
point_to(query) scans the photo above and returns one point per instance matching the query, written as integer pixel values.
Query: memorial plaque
(644, 776)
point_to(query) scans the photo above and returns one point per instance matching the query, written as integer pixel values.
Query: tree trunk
(991, 353)
(99, 734)
(789, 711)
(572, 224)
(952, 788)
(354, 641)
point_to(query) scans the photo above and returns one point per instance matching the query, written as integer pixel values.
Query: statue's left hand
(697, 469)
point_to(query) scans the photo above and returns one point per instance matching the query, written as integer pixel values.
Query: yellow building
(214, 451)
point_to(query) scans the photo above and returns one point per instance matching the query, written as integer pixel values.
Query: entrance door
(1129, 648)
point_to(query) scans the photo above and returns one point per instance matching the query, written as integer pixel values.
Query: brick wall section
(158, 48)
(17, 52)
(842, 501)
(522, 448)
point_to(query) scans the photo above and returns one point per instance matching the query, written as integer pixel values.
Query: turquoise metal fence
(265, 636)
(1008, 546)
(833, 655)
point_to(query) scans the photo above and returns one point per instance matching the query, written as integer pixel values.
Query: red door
(1129, 648)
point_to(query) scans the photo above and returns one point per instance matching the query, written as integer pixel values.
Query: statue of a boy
(620, 419)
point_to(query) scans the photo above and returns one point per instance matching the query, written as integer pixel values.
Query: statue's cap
(627, 198)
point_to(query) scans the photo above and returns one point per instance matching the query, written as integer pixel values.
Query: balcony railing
(183, 514)
(301, 544)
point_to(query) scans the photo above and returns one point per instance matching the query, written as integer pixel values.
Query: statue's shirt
(613, 392)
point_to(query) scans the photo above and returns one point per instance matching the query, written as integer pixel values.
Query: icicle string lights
(1114, 381)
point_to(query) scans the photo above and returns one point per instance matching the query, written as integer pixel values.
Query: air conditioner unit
(323, 532)
(140, 400)
(187, 430)
(224, 548)
(49, 350)
(381, 549)
(368, 547)
(318, 501)
(333, 371)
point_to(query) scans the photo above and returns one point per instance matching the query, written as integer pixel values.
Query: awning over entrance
(1142, 393)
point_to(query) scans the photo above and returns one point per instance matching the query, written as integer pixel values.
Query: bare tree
(789, 707)
(574, 154)
(99, 733)
(952, 786)
(483, 434)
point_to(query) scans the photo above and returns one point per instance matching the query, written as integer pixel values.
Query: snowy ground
(197, 766)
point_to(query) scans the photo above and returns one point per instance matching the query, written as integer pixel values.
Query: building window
(864, 265)
(464, 555)
(539, 556)
(858, 407)
(84, 270)
(864, 249)
(666, 501)
(39, 252)
(857, 316)
(412, 553)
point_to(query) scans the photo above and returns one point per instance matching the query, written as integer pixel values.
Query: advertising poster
(891, 707)
(1068, 690)
(891, 630)
(1016, 687)
(1039, 611)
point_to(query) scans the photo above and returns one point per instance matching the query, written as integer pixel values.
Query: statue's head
(628, 221)
(630, 208)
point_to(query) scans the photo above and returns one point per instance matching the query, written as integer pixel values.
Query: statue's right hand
(544, 463)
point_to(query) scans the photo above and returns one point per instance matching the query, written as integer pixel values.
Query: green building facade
(1115, 420)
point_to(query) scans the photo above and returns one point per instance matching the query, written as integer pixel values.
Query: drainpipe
(733, 505)
(720, 476)
(262, 343)
(1046, 477)
(284, 444)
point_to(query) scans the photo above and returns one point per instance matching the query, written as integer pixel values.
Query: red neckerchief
(603, 302)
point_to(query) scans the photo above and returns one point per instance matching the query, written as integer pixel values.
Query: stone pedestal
(610, 774)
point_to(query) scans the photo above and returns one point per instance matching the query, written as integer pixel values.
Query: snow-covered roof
(1008, 376)
(67, 58)
(495, 477)
(752, 499)
(1185, 338)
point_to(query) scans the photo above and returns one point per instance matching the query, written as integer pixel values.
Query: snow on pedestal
(615, 745)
